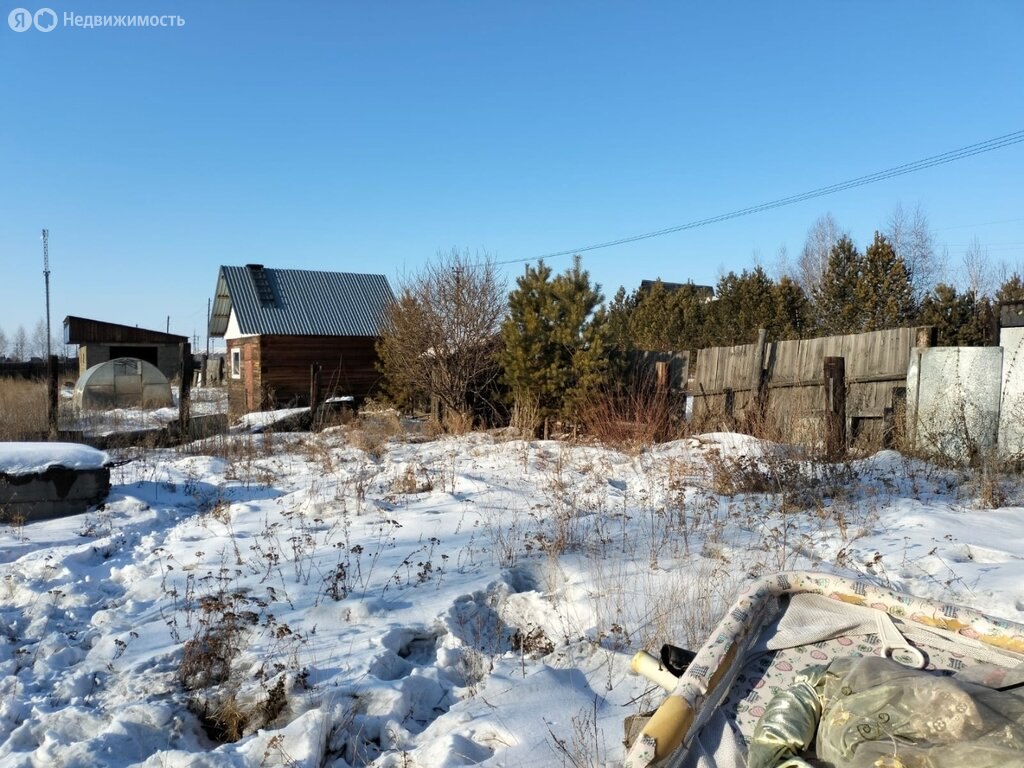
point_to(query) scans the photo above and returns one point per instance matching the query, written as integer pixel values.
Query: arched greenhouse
(124, 382)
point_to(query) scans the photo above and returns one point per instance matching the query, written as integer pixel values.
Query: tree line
(21, 346)
(458, 339)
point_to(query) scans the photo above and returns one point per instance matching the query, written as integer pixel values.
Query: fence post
(184, 389)
(51, 395)
(835, 407)
(314, 388)
(661, 374)
(757, 374)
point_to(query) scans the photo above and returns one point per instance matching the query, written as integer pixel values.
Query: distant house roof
(299, 302)
(647, 285)
(81, 330)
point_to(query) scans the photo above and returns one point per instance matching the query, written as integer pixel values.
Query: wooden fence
(67, 368)
(782, 383)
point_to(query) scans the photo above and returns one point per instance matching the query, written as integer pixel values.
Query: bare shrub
(224, 623)
(800, 480)
(526, 417)
(372, 431)
(634, 418)
(584, 746)
(440, 338)
(412, 480)
(457, 422)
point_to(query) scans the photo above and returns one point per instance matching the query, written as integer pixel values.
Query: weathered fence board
(793, 386)
(645, 364)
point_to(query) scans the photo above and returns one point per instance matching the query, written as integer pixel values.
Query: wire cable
(900, 170)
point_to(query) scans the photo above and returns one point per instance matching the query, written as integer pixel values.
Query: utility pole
(51, 361)
(46, 274)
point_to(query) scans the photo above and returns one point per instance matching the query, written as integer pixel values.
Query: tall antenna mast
(46, 274)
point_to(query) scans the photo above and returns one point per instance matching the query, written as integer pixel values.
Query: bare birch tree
(37, 344)
(979, 276)
(20, 342)
(911, 237)
(821, 239)
(441, 336)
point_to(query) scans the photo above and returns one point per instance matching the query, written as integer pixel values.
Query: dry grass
(372, 431)
(633, 419)
(22, 410)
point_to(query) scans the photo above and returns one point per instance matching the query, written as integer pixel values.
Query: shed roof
(82, 330)
(299, 302)
(647, 286)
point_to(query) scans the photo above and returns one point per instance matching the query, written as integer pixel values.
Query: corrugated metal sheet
(82, 330)
(306, 303)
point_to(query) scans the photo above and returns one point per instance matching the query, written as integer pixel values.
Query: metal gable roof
(299, 302)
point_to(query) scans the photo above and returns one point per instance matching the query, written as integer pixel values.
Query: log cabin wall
(275, 370)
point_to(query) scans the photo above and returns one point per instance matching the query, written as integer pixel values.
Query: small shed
(282, 324)
(100, 341)
(122, 383)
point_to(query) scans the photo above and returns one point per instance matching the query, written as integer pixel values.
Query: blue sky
(367, 136)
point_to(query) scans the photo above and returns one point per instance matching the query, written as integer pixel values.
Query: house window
(236, 363)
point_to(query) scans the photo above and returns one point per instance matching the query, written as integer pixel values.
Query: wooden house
(99, 342)
(280, 323)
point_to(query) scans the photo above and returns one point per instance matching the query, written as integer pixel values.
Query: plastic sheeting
(872, 712)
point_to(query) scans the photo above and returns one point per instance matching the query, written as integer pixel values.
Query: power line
(900, 170)
(981, 224)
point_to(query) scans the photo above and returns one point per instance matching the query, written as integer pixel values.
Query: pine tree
(884, 291)
(960, 319)
(620, 313)
(621, 345)
(655, 323)
(743, 304)
(581, 335)
(526, 333)
(1012, 289)
(835, 301)
(556, 340)
(792, 317)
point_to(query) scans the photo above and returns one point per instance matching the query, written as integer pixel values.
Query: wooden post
(184, 389)
(661, 374)
(51, 395)
(926, 336)
(202, 372)
(314, 388)
(757, 373)
(835, 407)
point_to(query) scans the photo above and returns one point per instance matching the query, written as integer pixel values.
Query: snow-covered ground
(29, 458)
(204, 401)
(343, 600)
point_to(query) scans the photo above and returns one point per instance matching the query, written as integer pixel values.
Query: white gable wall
(233, 331)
